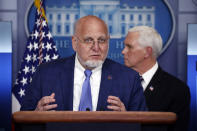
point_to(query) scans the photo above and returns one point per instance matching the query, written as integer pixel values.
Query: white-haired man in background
(163, 91)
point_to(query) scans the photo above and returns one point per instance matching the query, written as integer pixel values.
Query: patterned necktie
(141, 81)
(86, 97)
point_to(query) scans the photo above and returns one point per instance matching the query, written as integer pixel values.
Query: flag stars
(28, 58)
(49, 35)
(43, 47)
(30, 46)
(33, 69)
(16, 82)
(48, 46)
(43, 34)
(34, 57)
(32, 36)
(24, 81)
(44, 23)
(22, 92)
(26, 69)
(30, 80)
(37, 22)
(54, 56)
(35, 46)
(47, 58)
(55, 48)
(36, 34)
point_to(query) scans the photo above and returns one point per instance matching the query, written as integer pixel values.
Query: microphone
(102, 109)
(87, 109)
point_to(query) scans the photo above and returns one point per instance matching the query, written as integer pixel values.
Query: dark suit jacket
(58, 77)
(169, 94)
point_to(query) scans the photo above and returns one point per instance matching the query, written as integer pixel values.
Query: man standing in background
(163, 92)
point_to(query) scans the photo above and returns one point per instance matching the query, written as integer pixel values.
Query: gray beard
(90, 63)
(93, 63)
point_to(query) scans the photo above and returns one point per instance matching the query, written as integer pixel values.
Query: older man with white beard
(86, 80)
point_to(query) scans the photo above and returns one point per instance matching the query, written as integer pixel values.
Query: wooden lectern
(91, 121)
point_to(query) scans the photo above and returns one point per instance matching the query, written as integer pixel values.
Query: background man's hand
(115, 104)
(44, 103)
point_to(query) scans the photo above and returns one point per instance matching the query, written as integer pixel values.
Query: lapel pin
(109, 77)
(151, 88)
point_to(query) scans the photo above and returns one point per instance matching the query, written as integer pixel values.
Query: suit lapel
(153, 86)
(105, 86)
(67, 78)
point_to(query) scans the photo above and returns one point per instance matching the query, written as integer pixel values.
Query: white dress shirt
(147, 76)
(79, 77)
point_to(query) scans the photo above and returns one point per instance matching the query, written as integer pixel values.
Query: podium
(93, 121)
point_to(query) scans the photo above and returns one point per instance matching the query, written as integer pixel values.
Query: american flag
(40, 49)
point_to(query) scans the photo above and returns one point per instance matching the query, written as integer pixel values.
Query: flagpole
(40, 34)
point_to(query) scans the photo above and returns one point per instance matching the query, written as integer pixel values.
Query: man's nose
(96, 46)
(123, 51)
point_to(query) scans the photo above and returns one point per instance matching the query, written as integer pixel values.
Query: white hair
(148, 36)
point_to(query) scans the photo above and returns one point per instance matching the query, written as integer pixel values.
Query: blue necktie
(86, 97)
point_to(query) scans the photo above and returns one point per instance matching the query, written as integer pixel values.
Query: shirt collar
(147, 76)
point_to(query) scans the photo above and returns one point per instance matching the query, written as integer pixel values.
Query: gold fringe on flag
(38, 6)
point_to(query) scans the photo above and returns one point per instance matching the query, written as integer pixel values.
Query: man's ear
(74, 43)
(149, 51)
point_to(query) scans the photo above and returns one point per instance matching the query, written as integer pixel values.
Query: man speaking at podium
(87, 80)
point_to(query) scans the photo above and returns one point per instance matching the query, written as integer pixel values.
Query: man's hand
(44, 103)
(116, 104)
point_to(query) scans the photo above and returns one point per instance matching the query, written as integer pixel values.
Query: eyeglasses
(91, 41)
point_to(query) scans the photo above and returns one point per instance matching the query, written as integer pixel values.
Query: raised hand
(44, 103)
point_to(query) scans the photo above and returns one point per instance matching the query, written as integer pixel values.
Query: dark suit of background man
(58, 85)
(163, 91)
